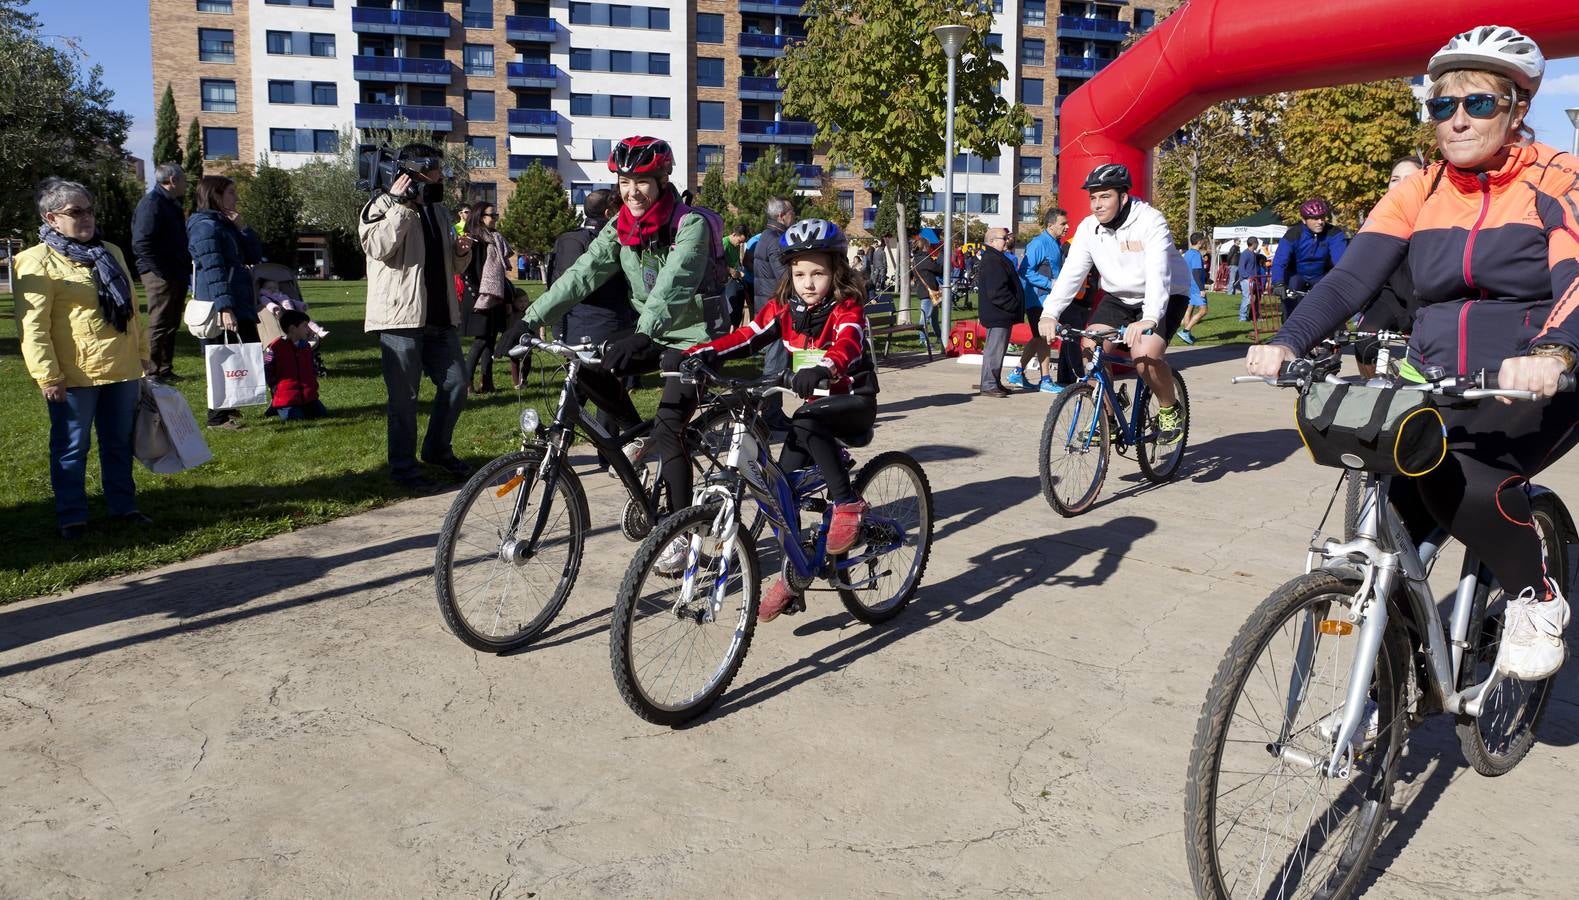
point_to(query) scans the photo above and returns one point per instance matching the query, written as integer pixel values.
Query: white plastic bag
(178, 427)
(235, 375)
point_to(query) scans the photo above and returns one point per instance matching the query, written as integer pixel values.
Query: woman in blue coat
(223, 248)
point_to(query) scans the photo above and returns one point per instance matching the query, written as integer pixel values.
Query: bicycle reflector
(1336, 627)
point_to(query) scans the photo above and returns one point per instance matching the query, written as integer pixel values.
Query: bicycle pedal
(798, 605)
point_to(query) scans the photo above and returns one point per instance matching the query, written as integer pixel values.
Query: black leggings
(813, 437)
(1478, 493)
(482, 351)
(606, 389)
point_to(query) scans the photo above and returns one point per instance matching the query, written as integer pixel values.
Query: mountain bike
(1298, 745)
(1088, 420)
(511, 546)
(680, 637)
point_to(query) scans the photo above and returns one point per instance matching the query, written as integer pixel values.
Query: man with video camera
(412, 256)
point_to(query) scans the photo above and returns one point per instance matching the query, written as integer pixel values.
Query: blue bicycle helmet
(813, 236)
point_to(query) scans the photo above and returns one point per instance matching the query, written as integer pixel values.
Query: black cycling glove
(627, 348)
(809, 379)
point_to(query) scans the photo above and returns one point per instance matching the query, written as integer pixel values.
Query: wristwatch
(1556, 351)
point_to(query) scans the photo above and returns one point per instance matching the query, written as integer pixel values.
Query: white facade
(975, 186)
(303, 69)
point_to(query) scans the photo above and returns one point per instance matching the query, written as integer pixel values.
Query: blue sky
(114, 34)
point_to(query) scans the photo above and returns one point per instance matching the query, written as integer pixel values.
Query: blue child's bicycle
(680, 636)
(1088, 420)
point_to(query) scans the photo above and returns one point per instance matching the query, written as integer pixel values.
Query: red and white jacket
(842, 340)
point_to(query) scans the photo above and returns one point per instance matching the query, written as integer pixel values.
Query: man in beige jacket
(412, 256)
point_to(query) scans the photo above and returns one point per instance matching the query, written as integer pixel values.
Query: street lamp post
(1573, 116)
(952, 37)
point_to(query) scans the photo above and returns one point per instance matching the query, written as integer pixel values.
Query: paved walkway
(290, 719)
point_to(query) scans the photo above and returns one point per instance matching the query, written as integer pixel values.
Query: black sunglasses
(1479, 106)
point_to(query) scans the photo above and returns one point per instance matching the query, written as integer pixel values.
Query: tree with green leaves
(1340, 143)
(537, 212)
(1223, 165)
(873, 78)
(712, 193)
(271, 208)
(886, 222)
(167, 130)
(193, 167)
(116, 191)
(763, 180)
(458, 157)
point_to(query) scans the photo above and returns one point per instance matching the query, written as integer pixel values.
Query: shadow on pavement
(989, 580)
(1232, 454)
(189, 593)
(976, 503)
(925, 401)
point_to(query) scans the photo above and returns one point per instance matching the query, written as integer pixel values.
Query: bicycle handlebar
(568, 351)
(1479, 386)
(1115, 336)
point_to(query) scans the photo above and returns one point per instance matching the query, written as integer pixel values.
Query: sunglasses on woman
(1479, 106)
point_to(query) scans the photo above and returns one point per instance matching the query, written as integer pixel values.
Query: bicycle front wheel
(498, 589)
(1076, 446)
(1159, 462)
(678, 638)
(891, 554)
(1262, 817)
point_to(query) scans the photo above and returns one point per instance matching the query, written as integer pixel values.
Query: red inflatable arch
(1212, 50)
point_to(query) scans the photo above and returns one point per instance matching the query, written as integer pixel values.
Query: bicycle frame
(1107, 399)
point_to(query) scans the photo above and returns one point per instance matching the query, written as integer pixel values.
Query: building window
(282, 140)
(477, 13)
(1031, 91)
(657, 107)
(602, 148)
(1033, 13)
(317, 4)
(1033, 52)
(1031, 169)
(709, 115)
(277, 42)
(997, 6)
(580, 59)
(620, 107)
(1033, 133)
(322, 44)
(479, 106)
(960, 203)
(709, 28)
(930, 202)
(847, 203)
(325, 93)
(1145, 19)
(989, 204)
(619, 16)
(581, 104)
(1025, 208)
(620, 61)
(581, 14)
(326, 141)
(994, 43)
(482, 192)
(479, 59)
(579, 191)
(214, 6)
(282, 92)
(657, 64)
(709, 156)
(658, 19)
(216, 45)
(219, 143)
(709, 72)
(218, 96)
(483, 151)
(843, 171)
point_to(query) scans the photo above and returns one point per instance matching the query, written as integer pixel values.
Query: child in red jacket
(288, 366)
(818, 313)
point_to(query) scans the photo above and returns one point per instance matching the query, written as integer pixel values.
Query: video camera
(379, 167)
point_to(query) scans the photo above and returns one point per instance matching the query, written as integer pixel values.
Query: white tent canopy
(1264, 232)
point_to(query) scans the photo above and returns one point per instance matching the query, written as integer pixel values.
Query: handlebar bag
(1387, 431)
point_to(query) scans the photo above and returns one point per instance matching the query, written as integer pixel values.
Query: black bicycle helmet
(813, 236)
(1109, 176)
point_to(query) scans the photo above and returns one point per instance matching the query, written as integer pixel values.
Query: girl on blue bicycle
(817, 311)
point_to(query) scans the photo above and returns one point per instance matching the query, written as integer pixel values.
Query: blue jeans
(1244, 305)
(408, 353)
(313, 410)
(109, 410)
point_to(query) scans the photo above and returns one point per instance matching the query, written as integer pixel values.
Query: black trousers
(606, 389)
(815, 430)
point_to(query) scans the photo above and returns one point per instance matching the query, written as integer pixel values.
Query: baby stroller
(268, 320)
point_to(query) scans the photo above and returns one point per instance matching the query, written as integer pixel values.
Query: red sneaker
(846, 525)
(778, 597)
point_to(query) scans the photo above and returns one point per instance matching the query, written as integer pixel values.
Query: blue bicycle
(1088, 420)
(679, 637)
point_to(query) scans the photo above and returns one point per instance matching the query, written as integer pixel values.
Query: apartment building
(558, 81)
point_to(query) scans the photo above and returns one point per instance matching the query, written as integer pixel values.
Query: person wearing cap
(1491, 239)
(1307, 252)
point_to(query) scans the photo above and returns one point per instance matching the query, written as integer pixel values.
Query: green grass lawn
(270, 478)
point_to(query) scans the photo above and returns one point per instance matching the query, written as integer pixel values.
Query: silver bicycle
(1299, 739)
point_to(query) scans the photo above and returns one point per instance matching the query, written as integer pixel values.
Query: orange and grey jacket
(1494, 256)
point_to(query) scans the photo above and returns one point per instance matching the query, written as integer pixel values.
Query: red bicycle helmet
(1314, 208)
(642, 155)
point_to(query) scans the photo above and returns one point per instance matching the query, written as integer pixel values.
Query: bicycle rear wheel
(495, 592)
(1159, 463)
(1502, 735)
(678, 640)
(1075, 449)
(1262, 818)
(898, 518)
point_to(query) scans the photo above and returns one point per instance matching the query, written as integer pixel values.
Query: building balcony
(1079, 66)
(757, 88)
(765, 44)
(402, 69)
(771, 7)
(532, 75)
(763, 132)
(409, 22)
(534, 121)
(807, 176)
(1089, 29)
(535, 29)
(519, 164)
(393, 115)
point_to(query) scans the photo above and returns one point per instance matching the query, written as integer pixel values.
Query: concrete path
(291, 719)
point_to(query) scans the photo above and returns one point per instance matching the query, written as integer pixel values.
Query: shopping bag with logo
(235, 375)
(164, 410)
(150, 443)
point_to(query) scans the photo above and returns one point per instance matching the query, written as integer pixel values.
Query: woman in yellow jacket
(85, 346)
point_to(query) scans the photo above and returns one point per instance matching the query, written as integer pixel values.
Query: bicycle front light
(531, 422)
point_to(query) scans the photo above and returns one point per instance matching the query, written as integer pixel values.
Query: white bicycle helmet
(1493, 48)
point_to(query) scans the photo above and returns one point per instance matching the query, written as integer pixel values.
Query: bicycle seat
(860, 440)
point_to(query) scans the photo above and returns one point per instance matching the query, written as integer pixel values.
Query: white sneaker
(672, 560)
(1532, 636)
(633, 454)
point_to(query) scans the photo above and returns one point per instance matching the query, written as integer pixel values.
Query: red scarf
(634, 232)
